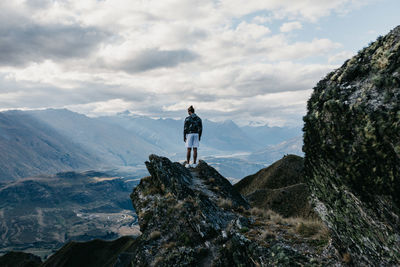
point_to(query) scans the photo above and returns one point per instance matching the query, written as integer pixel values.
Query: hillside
(114, 145)
(29, 147)
(352, 153)
(279, 187)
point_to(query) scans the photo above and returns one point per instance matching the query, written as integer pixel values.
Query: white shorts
(192, 140)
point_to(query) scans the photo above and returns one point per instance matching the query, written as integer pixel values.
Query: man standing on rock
(191, 135)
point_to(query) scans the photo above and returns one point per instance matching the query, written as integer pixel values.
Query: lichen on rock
(352, 159)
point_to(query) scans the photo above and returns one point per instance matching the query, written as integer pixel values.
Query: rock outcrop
(352, 153)
(279, 187)
(94, 253)
(195, 217)
(20, 259)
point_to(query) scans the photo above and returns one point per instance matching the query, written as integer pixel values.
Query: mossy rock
(352, 161)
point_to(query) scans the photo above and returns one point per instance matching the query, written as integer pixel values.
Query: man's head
(190, 110)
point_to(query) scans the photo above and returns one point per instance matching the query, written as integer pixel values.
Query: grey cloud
(38, 4)
(34, 95)
(154, 58)
(20, 45)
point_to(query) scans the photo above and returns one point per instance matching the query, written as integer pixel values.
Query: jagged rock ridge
(352, 152)
(194, 217)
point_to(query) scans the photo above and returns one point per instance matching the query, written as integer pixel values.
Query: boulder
(352, 153)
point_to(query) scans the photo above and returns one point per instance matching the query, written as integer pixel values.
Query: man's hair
(191, 109)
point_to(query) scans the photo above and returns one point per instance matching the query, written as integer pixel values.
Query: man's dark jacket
(192, 125)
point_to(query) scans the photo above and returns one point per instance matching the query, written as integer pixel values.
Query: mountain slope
(30, 147)
(279, 187)
(114, 145)
(218, 137)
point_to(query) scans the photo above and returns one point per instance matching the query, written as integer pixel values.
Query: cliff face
(352, 152)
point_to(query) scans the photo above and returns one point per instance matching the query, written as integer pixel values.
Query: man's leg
(188, 155)
(194, 155)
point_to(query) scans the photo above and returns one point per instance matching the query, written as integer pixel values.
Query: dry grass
(169, 245)
(313, 228)
(346, 258)
(157, 261)
(216, 188)
(276, 218)
(262, 213)
(266, 234)
(179, 205)
(211, 181)
(225, 203)
(240, 209)
(169, 195)
(151, 190)
(306, 228)
(154, 235)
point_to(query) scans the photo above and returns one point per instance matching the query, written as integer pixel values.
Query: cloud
(299, 50)
(154, 58)
(262, 19)
(38, 4)
(290, 26)
(20, 45)
(310, 10)
(340, 57)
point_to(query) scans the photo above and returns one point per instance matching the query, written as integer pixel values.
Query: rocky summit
(352, 153)
(195, 217)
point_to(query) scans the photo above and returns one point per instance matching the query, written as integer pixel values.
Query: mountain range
(53, 140)
(29, 146)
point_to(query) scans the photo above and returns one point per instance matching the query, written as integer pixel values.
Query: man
(191, 135)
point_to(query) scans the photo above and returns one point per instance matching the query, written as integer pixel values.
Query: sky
(253, 62)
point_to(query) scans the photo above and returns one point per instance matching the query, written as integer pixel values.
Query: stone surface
(352, 153)
(196, 217)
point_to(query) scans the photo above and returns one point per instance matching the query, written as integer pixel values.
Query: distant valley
(40, 214)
